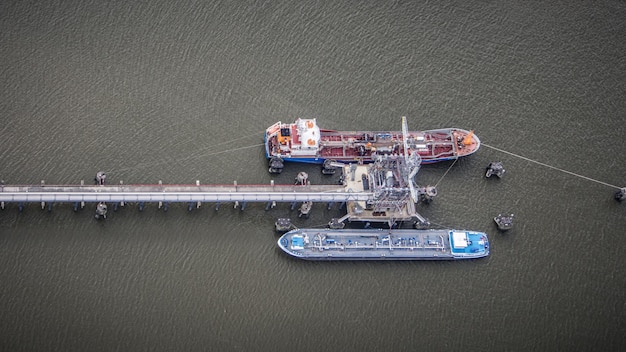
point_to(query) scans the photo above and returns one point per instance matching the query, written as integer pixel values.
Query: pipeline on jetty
(302, 192)
(384, 191)
(180, 193)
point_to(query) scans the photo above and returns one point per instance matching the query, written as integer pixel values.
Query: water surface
(180, 92)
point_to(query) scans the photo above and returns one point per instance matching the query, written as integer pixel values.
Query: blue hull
(319, 161)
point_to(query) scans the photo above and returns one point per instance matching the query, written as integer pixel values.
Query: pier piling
(198, 204)
(82, 204)
(43, 204)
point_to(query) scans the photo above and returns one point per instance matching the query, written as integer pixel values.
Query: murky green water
(183, 91)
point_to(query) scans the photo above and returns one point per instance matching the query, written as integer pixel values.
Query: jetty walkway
(180, 193)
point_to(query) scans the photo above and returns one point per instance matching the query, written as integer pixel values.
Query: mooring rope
(197, 155)
(225, 151)
(549, 166)
(139, 166)
(444, 175)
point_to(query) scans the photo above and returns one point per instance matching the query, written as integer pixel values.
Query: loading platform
(383, 191)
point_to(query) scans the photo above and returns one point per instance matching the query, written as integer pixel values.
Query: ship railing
(451, 153)
(274, 128)
(376, 245)
(385, 244)
(86, 196)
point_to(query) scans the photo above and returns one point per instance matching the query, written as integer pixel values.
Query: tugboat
(304, 141)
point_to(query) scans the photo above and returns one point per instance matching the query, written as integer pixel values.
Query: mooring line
(190, 157)
(201, 154)
(442, 226)
(445, 173)
(549, 166)
(224, 151)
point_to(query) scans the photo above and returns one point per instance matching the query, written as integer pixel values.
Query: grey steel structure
(181, 193)
(383, 191)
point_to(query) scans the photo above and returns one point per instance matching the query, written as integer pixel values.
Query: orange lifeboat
(468, 139)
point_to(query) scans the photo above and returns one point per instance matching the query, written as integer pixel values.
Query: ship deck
(359, 146)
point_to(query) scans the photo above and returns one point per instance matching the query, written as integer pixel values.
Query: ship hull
(376, 244)
(319, 161)
(304, 142)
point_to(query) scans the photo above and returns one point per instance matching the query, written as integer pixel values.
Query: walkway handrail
(71, 194)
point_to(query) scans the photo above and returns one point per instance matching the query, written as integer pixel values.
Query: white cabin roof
(459, 239)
